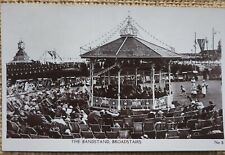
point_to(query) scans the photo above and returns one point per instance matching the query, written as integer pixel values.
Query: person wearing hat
(66, 118)
(193, 105)
(199, 105)
(193, 81)
(204, 88)
(183, 91)
(194, 90)
(67, 132)
(84, 117)
(144, 136)
(116, 125)
(26, 107)
(69, 110)
(160, 113)
(151, 114)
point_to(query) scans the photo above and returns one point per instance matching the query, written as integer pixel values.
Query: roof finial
(128, 14)
(21, 45)
(129, 30)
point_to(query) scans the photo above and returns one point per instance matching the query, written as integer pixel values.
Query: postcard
(79, 78)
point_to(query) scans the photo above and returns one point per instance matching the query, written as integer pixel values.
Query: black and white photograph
(112, 78)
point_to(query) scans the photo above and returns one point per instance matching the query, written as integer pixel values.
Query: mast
(213, 37)
(207, 47)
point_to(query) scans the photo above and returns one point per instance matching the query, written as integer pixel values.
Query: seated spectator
(78, 118)
(67, 132)
(151, 114)
(69, 110)
(160, 113)
(210, 107)
(112, 113)
(107, 117)
(144, 136)
(84, 117)
(193, 105)
(12, 126)
(116, 125)
(199, 105)
(67, 119)
(172, 107)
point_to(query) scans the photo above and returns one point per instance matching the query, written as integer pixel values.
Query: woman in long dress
(204, 89)
(194, 90)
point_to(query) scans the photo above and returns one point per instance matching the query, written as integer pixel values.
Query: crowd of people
(59, 112)
(46, 108)
(30, 85)
(37, 69)
(196, 89)
(129, 92)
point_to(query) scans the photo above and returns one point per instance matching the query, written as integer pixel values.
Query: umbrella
(94, 116)
(60, 121)
(36, 119)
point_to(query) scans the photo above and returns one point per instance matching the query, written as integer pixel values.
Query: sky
(66, 28)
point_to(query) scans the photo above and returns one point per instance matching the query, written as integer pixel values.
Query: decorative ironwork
(129, 29)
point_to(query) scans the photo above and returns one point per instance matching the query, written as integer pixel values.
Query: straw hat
(144, 136)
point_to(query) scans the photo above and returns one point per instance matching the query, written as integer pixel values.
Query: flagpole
(195, 52)
(213, 33)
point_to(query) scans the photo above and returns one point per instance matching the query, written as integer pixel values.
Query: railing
(162, 103)
(103, 102)
(137, 103)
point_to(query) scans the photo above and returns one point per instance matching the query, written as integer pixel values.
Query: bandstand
(129, 52)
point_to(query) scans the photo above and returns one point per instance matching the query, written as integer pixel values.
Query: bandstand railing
(109, 103)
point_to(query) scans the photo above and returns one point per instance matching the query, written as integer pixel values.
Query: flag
(201, 43)
(50, 53)
(54, 54)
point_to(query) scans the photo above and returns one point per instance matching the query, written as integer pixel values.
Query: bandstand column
(169, 99)
(135, 76)
(108, 78)
(104, 80)
(92, 83)
(153, 85)
(169, 70)
(119, 107)
(160, 79)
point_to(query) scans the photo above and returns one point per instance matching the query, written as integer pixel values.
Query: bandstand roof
(130, 47)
